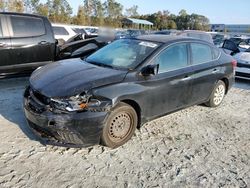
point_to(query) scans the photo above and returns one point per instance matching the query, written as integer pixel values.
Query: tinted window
(60, 31)
(26, 26)
(172, 58)
(201, 53)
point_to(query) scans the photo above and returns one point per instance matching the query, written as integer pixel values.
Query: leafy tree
(99, 13)
(89, 10)
(79, 19)
(42, 9)
(59, 11)
(15, 6)
(94, 12)
(132, 11)
(2, 5)
(113, 13)
(172, 24)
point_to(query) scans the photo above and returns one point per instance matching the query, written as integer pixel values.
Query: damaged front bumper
(74, 129)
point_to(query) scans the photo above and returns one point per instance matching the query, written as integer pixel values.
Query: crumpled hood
(71, 77)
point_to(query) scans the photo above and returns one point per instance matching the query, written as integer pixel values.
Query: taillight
(234, 63)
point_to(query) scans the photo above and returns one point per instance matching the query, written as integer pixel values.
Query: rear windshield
(60, 30)
(79, 30)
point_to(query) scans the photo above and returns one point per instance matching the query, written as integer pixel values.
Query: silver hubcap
(120, 126)
(219, 94)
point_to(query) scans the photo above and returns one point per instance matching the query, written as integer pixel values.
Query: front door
(170, 89)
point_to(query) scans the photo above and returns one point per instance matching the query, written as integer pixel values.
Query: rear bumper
(81, 129)
(243, 72)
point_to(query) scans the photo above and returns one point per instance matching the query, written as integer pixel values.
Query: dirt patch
(198, 147)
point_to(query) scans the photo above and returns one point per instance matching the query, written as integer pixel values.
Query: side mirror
(150, 70)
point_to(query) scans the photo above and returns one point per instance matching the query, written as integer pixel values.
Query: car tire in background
(119, 126)
(217, 95)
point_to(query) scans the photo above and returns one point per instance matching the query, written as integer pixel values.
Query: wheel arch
(226, 82)
(137, 108)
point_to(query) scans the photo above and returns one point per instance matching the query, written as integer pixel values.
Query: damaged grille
(69, 137)
(43, 99)
(36, 101)
(43, 132)
(65, 137)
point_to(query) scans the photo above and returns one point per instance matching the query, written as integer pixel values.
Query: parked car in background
(218, 38)
(167, 32)
(238, 40)
(130, 33)
(243, 65)
(91, 31)
(103, 98)
(243, 43)
(65, 32)
(197, 34)
(82, 48)
(162, 32)
(241, 55)
(26, 42)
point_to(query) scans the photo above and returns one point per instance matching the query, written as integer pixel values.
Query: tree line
(108, 13)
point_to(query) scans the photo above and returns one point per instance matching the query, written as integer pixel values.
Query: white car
(65, 32)
(243, 65)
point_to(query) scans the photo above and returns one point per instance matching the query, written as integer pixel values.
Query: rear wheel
(217, 95)
(119, 126)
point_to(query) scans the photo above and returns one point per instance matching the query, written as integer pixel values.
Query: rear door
(205, 71)
(5, 44)
(30, 45)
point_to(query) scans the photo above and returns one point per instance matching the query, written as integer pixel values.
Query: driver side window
(172, 58)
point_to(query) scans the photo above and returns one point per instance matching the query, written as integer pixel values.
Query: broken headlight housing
(75, 103)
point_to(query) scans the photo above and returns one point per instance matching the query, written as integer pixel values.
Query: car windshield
(78, 30)
(123, 54)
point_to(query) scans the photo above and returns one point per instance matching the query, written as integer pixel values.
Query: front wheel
(217, 95)
(119, 126)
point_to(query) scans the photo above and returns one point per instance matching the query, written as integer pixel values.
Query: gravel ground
(195, 147)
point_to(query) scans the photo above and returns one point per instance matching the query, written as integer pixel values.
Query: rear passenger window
(174, 57)
(201, 53)
(26, 26)
(60, 31)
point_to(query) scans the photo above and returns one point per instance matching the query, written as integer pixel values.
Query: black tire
(119, 126)
(217, 95)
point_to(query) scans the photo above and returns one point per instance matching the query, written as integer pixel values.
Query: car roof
(21, 14)
(167, 38)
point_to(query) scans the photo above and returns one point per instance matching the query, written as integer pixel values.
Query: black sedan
(105, 97)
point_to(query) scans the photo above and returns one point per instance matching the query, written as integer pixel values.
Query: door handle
(3, 44)
(43, 43)
(186, 78)
(215, 71)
